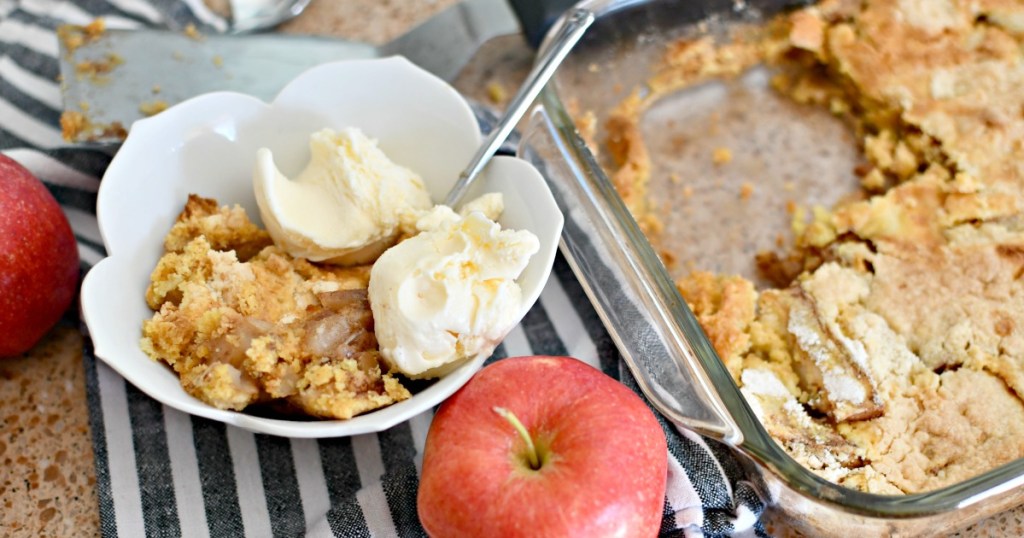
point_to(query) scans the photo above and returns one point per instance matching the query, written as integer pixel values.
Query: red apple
(602, 459)
(38, 260)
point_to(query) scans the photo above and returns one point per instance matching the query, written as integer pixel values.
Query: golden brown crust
(225, 228)
(896, 336)
(626, 147)
(269, 328)
(725, 308)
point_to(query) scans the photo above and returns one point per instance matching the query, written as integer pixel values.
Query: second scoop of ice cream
(346, 207)
(449, 293)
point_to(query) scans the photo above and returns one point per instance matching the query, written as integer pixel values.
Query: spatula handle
(537, 16)
(575, 24)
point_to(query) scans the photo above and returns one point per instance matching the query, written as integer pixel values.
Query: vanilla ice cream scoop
(449, 293)
(349, 204)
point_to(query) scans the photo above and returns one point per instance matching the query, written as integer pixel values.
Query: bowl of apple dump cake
(817, 217)
(285, 268)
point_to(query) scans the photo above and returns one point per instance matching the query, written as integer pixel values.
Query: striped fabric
(163, 473)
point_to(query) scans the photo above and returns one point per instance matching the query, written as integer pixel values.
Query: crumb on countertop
(74, 36)
(192, 32)
(75, 126)
(152, 108)
(95, 70)
(496, 93)
(721, 155)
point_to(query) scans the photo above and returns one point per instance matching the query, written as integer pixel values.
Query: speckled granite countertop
(47, 475)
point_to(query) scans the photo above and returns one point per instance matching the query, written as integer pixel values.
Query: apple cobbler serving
(357, 281)
(243, 323)
(888, 356)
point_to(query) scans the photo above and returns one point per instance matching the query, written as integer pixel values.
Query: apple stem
(531, 450)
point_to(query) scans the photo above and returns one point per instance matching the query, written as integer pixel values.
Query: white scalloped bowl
(207, 145)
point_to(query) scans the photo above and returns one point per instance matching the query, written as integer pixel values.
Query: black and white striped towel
(164, 473)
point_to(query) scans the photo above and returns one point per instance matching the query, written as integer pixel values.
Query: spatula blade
(151, 68)
(126, 75)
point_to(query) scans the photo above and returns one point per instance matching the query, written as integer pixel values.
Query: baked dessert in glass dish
(812, 221)
(888, 337)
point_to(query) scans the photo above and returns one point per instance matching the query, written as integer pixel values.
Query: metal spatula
(150, 69)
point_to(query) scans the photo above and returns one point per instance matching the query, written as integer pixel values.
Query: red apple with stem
(38, 259)
(543, 446)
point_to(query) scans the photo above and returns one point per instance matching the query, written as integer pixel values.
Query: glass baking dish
(801, 153)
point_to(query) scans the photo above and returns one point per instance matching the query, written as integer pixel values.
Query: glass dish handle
(653, 328)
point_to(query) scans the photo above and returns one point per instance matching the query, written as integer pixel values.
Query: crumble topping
(244, 323)
(894, 337)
